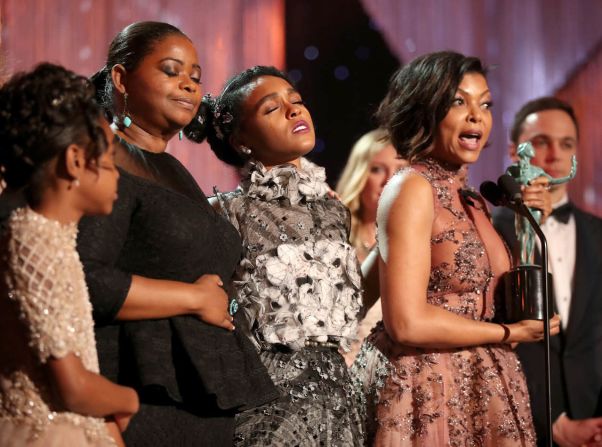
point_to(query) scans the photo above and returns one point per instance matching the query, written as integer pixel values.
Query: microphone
(507, 193)
(510, 189)
(492, 193)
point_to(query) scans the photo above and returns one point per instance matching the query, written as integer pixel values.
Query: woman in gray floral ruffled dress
(298, 281)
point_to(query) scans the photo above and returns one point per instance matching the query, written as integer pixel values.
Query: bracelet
(506, 332)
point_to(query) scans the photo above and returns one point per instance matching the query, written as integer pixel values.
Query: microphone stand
(523, 210)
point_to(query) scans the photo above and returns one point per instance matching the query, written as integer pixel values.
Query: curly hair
(129, 47)
(540, 105)
(42, 112)
(219, 118)
(420, 95)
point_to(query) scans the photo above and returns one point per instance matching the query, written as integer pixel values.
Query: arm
(84, 392)
(117, 294)
(408, 318)
(370, 279)
(205, 298)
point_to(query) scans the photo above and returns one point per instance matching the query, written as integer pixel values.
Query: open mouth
(301, 127)
(471, 139)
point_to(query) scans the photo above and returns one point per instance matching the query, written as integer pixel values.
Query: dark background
(348, 42)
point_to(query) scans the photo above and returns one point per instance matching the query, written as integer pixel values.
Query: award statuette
(524, 298)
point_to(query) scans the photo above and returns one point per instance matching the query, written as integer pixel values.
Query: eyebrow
(273, 95)
(179, 62)
(466, 93)
(547, 136)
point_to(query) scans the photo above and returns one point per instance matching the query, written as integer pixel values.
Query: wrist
(506, 333)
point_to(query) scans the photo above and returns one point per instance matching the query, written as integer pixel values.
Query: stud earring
(180, 135)
(75, 183)
(245, 150)
(125, 117)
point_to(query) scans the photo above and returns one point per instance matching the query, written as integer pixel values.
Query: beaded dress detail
(475, 396)
(45, 312)
(299, 287)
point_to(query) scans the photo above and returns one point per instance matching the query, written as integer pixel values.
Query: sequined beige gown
(44, 312)
(473, 396)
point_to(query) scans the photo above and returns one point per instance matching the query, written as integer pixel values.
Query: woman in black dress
(158, 268)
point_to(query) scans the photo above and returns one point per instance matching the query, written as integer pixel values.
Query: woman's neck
(143, 139)
(269, 165)
(57, 204)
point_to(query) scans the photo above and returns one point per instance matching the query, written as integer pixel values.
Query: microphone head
(510, 188)
(492, 193)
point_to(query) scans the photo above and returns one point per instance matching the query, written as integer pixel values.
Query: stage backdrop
(533, 46)
(229, 35)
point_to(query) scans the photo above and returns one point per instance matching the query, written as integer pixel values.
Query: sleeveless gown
(473, 396)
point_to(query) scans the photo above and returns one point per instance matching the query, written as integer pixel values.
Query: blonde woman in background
(372, 162)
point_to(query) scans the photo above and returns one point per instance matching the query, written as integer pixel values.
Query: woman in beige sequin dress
(441, 373)
(54, 143)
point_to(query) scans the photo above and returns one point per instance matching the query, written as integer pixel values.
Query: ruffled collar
(285, 181)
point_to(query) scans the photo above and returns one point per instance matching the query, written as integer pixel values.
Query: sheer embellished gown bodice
(475, 396)
(300, 290)
(191, 376)
(45, 313)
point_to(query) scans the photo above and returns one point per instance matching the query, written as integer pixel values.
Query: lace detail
(299, 278)
(48, 314)
(473, 396)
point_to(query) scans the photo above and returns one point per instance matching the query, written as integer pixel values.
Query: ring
(233, 307)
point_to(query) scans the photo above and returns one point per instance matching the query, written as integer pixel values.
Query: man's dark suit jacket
(576, 353)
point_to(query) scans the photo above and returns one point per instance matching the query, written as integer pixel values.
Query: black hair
(129, 47)
(42, 112)
(420, 95)
(539, 105)
(219, 118)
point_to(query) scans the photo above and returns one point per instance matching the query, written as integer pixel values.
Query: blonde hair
(355, 174)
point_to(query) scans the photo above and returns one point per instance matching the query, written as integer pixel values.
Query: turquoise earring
(180, 135)
(125, 117)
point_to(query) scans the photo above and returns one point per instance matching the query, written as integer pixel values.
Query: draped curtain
(533, 46)
(583, 91)
(229, 35)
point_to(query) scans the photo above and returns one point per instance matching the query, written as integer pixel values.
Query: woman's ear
(75, 161)
(118, 75)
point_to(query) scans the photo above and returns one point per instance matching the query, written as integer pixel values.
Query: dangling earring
(180, 135)
(125, 117)
(75, 183)
(245, 150)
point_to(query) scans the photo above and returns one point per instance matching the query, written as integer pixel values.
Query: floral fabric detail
(299, 278)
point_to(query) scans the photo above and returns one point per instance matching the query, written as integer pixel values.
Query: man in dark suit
(575, 259)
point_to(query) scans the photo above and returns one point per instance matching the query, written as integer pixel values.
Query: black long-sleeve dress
(192, 377)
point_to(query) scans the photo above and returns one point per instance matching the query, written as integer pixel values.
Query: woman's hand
(210, 302)
(537, 195)
(531, 330)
